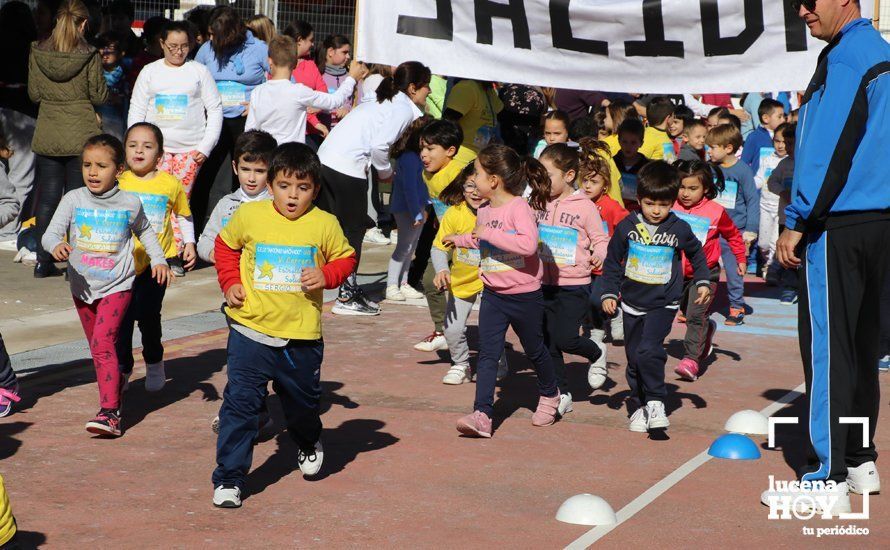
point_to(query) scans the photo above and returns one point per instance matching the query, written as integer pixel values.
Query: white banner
(648, 46)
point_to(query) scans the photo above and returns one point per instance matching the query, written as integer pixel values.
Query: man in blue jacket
(840, 213)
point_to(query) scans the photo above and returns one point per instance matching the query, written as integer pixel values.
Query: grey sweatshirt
(101, 229)
(9, 206)
(220, 217)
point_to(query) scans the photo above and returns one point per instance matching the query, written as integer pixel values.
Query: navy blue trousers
(644, 345)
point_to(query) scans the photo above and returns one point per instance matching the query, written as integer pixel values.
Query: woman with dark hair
(238, 62)
(306, 73)
(65, 79)
(364, 138)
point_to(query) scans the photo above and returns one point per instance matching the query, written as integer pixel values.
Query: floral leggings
(185, 168)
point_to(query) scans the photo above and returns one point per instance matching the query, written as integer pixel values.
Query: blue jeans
(295, 374)
(735, 283)
(525, 313)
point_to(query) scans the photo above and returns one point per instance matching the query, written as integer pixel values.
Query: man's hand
(442, 280)
(704, 294)
(162, 274)
(609, 306)
(62, 251)
(189, 256)
(311, 278)
(786, 248)
(235, 296)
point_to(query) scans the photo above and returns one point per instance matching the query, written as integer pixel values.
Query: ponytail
(516, 172)
(406, 74)
(66, 36)
(534, 173)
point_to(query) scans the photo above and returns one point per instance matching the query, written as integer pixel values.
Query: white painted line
(645, 499)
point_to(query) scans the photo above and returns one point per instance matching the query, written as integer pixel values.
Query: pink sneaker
(687, 369)
(8, 396)
(477, 424)
(546, 412)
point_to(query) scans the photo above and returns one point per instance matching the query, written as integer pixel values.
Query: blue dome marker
(734, 447)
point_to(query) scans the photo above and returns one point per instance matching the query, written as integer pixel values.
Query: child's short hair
(283, 51)
(767, 106)
(633, 126)
(295, 159)
(453, 194)
(159, 136)
(594, 160)
(723, 135)
(410, 138)
(109, 39)
(730, 119)
(782, 128)
(789, 132)
(108, 140)
(684, 113)
(659, 109)
(444, 133)
(718, 112)
(254, 146)
(710, 176)
(585, 126)
(556, 115)
(658, 181)
(692, 124)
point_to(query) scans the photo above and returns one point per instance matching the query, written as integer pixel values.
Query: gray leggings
(456, 315)
(409, 234)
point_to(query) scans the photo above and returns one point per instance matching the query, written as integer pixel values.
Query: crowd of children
(616, 223)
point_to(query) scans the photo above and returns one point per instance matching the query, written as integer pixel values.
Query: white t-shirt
(175, 99)
(279, 107)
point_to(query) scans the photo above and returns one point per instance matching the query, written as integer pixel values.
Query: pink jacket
(569, 230)
(508, 245)
(306, 73)
(709, 219)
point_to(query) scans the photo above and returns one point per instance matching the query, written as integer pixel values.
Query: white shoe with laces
(310, 462)
(410, 293)
(375, 236)
(864, 479)
(565, 404)
(598, 373)
(457, 375)
(393, 294)
(155, 377)
(434, 342)
(638, 421)
(657, 417)
(617, 325)
(227, 496)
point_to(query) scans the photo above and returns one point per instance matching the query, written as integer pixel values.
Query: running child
(644, 270)
(163, 197)
(101, 220)
(507, 238)
(742, 202)
(696, 204)
(253, 153)
(274, 258)
(461, 277)
(572, 244)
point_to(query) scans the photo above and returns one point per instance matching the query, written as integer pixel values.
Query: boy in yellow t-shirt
(474, 104)
(656, 141)
(163, 197)
(274, 258)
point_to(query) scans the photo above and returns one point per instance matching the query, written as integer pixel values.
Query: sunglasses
(810, 5)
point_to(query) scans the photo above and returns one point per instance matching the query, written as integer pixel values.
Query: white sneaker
(597, 374)
(375, 236)
(638, 421)
(214, 424)
(410, 293)
(434, 342)
(457, 375)
(394, 237)
(840, 504)
(393, 294)
(310, 463)
(617, 325)
(227, 497)
(503, 368)
(155, 377)
(657, 417)
(864, 479)
(565, 404)
(598, 335)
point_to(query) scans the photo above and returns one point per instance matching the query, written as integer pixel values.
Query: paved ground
(396, 473)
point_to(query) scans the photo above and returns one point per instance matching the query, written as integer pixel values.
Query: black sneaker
(107, 422)
(355, 305)
(47, 269)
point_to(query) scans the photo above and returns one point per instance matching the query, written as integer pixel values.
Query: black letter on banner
(732, 45)
(562, 32)
(654, 45)
(795, 30)
(486, 10)
(441, 28)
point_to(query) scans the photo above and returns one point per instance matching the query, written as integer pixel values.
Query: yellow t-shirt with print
(436, 183)
(614, 177)
(469, 99)
(274, 250)
(161, 196)
(7, 521)
(654, 141)
(465, 281)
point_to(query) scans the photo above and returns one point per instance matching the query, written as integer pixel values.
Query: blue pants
(295, 374)
(525, 313)
(644, 345)
(735, 283)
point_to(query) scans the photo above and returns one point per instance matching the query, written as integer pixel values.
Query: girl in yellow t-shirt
(462, 277)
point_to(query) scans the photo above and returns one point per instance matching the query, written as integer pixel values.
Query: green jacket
(66, 86)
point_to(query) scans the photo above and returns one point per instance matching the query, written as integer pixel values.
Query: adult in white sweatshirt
(358, 142)
(181, 98)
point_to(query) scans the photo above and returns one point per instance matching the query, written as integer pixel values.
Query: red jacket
(307, 74)
(611, 212)
(719, 225)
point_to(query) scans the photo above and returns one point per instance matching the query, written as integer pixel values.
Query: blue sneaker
(884, 364)
(789, 297)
